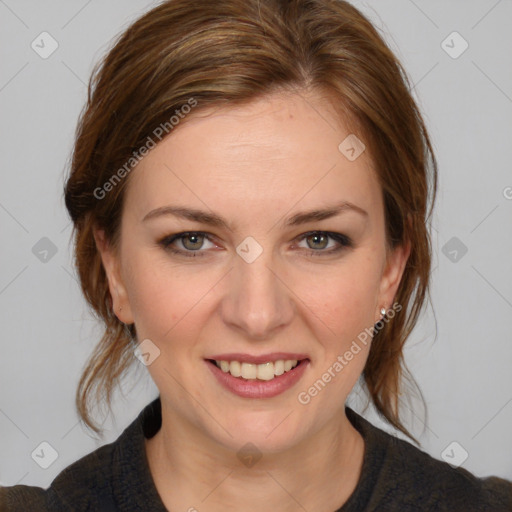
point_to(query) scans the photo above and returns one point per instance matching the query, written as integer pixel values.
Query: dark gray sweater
(396, 476)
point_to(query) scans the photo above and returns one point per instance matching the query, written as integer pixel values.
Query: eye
(318, 242)
(190, 241)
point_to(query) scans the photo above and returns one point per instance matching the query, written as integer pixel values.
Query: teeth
(265, 371)
(249, 371)
(234, 368)
(279, 367)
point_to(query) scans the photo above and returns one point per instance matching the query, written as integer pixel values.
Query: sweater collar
(136, 489)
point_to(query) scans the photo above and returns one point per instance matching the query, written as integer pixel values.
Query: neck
(191, 471)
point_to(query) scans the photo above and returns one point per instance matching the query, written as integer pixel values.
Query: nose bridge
(256, 300)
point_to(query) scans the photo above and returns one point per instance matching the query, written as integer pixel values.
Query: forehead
(278, 150)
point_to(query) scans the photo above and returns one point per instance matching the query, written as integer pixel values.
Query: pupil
(195, 240)
(317, 237)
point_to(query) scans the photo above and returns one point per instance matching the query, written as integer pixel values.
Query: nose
(258, 301)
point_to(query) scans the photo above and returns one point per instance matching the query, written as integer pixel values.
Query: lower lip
(256, 388)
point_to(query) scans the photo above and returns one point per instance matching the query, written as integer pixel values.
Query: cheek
(158, 297)
(169, 301)
(342, 300)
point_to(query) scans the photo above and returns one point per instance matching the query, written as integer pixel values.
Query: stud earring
(383, 311)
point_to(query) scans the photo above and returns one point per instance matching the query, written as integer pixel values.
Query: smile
(264, 371)
(257, 380)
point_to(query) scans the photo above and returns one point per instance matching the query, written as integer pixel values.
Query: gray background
(47, 331)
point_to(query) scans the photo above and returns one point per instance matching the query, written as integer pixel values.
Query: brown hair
(230, 52)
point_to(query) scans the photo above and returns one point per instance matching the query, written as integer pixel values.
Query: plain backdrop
(460, 352)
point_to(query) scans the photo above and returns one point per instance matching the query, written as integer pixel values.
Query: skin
(255, 166)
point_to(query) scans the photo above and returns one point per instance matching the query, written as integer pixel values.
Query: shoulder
(83, 485)
(21, 498)
(442, 486)
(114, 477)
(401, 476)
(99, 481)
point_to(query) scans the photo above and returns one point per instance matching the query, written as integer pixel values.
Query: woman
(250, 189)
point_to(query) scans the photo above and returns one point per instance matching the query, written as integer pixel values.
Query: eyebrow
(215, 220)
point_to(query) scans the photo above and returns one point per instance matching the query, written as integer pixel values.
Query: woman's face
(255, 281)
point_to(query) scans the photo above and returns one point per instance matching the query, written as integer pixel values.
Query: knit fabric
(396, 476)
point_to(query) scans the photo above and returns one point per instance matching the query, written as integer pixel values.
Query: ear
(392, 275)
(111, 264)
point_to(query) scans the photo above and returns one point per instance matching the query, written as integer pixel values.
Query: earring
(383, 311)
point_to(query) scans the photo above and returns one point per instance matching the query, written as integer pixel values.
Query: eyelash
(344, 241)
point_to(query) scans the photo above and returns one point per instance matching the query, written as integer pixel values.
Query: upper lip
(258, 359)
